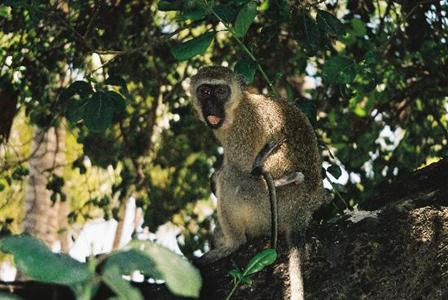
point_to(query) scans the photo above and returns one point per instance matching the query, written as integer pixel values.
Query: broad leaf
(118, 81)
(34, 259)
(82, 88)
(98, 112)
(335, 171)
(245, 18)
(124, 290)
(359, 28)
(193, 47)
(180, 276)
(311, 37)
(193, 15)
(247, 69)
(133, 260)
(260, 261)
(339, 69)
(119, 103)
(169, 5)
(75, 111)
(330, 23)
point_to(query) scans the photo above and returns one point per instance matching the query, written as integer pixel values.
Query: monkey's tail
(295, 274)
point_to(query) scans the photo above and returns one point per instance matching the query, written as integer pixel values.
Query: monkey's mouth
(214, 121)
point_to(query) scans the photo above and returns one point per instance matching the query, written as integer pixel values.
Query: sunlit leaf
(193, 47)
(260, 261)
(359, 28)
(133, 260)
(180, 276)
(35, 260)
(124, 290)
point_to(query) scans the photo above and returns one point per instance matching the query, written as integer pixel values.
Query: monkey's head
(216, 92)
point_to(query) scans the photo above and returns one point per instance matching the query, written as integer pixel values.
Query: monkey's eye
(222, 92)
(204, 91)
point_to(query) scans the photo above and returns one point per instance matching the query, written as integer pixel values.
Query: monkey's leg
(234, 237)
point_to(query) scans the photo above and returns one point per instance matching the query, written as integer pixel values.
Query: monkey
(245, 124)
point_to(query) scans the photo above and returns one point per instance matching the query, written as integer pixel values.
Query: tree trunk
(43, 218)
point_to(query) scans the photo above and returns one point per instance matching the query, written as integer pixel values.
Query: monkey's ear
(240, 80)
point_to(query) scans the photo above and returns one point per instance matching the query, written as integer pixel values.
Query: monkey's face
(213, 99)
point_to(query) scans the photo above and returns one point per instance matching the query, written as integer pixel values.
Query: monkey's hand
(257, 167)
(294, 177)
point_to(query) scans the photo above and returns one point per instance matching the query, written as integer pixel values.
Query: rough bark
(43, 218)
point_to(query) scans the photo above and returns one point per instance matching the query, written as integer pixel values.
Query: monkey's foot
(294, 177)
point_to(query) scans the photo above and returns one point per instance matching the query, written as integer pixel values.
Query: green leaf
(335, 171)
(260, 261)
(169, 5)
(193, 47)
(359, 28)
(247, 69)
(7, 296)
(226, 12)
(98, 112)
(193, 15)
(339, 69)
(133, 260)
(118, 102)
(236, 274)
(82, 88)
(329, 23)
(245, 18)
(34, 259)
(180, 276)
(124, 290)
(5, 11)
(118, 81)
(312, 37)
(75, 111)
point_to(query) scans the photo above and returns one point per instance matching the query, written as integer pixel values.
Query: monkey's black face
(212, 98)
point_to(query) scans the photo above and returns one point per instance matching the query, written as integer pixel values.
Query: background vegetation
(93, 103)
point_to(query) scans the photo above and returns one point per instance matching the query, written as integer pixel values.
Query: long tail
(295, 274)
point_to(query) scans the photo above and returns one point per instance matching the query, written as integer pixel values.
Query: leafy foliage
(370, 75)
(34, 259)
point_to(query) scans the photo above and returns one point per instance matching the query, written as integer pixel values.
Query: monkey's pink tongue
(214, 120)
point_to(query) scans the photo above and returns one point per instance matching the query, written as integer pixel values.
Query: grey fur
(243, 200)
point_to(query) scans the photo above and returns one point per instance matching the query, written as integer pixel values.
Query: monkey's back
(259, 120)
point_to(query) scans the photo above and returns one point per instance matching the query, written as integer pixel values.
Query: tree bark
(43, 218)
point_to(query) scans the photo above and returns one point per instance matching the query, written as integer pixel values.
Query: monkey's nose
(213, 120)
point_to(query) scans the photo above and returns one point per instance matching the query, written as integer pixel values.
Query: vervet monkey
(244, 124)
